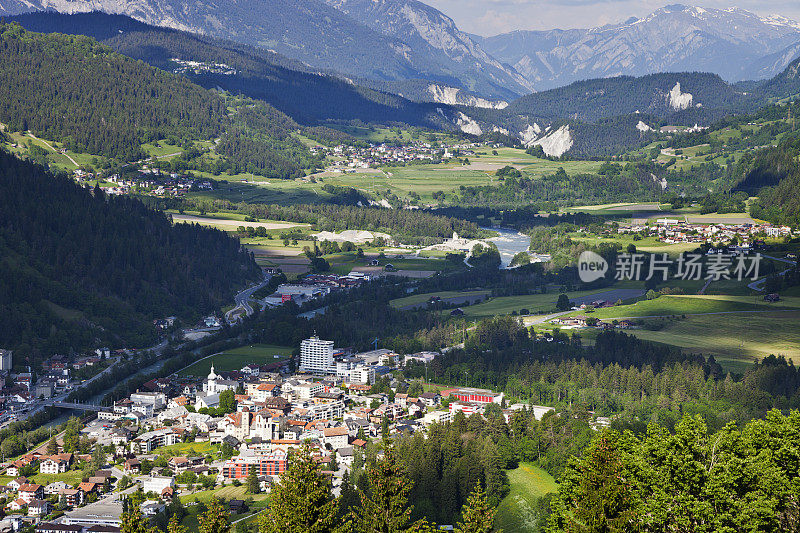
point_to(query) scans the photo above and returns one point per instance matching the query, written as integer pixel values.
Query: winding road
(242, 301)
(755, 285)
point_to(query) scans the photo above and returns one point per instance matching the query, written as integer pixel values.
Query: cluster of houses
(26, 498)
(336, 402)
(349, 158)
(201, 67)
(147, 181)
(23, 391)
(740, 238)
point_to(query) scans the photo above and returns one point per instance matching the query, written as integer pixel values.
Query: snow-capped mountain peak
(733, 42)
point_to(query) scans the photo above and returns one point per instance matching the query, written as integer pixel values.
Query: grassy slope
(535, 303)
(735, 337)
(516, 511)
(691, 304)
(416, 299)
(236, 358)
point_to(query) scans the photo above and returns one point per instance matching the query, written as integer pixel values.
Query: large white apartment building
(5, 360)
(316, 355)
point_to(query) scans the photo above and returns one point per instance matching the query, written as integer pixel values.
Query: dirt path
(53, 149)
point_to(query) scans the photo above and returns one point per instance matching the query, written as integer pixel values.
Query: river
(509, 243)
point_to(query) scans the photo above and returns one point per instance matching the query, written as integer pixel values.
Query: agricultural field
(665, 306)
(377, 134)
(67, 161)
(423, 180)
(647, 244)
(545, 303)
(518, 510)
(236, 358)
(733, 338)
(225, 223)
(446, 296)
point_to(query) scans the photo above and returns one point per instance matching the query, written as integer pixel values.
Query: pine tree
(252, 484)
(477, 515)
(215, 519)
(302, 501)
(386, 508)
(349, 498)
(133, 521)
(98, 458)
(334, 463)
(175, 526)
(599, 499)
(52, 446)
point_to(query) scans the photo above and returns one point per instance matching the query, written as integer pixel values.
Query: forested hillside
(409, 226)
(593, 99)
(308, 95)
(79, 269)
(97, 101)
(692, 480)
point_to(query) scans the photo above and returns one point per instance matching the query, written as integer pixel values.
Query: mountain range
(309, 96)
(734, 43)
(322, 36)
(415, 50)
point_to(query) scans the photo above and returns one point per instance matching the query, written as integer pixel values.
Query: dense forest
(80, 268)
(303, 93)
(690, 480)
(612, 183)
(408, 226)
(97, 101)
(774, 174)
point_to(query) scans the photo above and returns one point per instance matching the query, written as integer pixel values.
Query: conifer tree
(599, 496)
(253, 486)
(174, 525)
(477, 515)
(132, 519)
(52, 446)
(386, 508)
(215, 519)
(302, 501)
(349, 498)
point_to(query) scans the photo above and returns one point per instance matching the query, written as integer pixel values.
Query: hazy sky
(490, 17)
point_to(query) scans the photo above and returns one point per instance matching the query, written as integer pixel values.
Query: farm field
(56, 158)
(236, 358)
(421, 299)
(544, 303)
(733, 338)
(647, 244)
(518, 510)
(423, 180)
(232, 224)
(691, 304)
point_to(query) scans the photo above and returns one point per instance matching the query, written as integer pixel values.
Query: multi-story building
(362, 374)
(5, 360)
(147, 442)
(468, 394)
(316, 355)
(155, 399)
(55, 464)
(271, 464)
